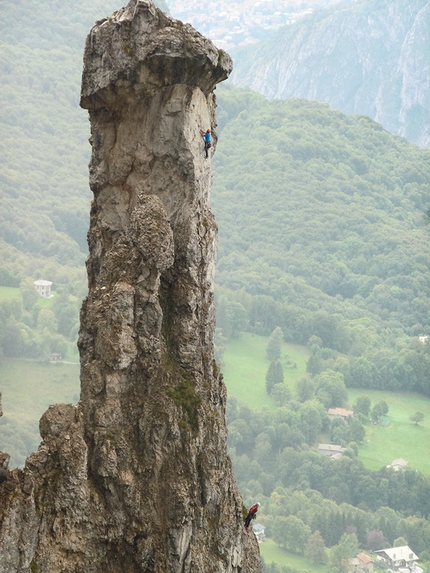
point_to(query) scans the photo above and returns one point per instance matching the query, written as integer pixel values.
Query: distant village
(242, 22)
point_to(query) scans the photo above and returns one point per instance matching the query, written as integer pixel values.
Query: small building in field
(258, 530)
(55, 357)
(342, 412)
(332, 451)
(401, 559)
(43, 288)
(361, 564)
(398, 464)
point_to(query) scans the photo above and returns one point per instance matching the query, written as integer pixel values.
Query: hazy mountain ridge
(369, 58)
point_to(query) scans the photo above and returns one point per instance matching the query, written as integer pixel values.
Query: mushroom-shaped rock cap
(141, 47)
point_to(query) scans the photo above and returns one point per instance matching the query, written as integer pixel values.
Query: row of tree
(372, 356)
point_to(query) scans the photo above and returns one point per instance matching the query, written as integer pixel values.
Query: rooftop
(340, 412)
(398, 553)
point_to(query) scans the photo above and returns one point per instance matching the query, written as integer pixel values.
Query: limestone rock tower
(136, 477)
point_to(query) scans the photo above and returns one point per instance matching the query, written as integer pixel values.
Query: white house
(43, 288)
(398, 464)
(401, 559)
(258, 530)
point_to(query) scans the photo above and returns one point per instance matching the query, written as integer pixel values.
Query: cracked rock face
(136, 478)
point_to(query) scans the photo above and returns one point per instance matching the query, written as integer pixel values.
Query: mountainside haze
(370, 57)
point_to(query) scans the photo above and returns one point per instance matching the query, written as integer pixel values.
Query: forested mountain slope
(323, 224)
(369, 57)
(44, 194)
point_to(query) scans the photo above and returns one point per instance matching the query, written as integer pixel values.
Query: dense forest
(323, 231)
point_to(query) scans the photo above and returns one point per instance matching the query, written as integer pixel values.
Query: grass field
(245, 365)
(8, 292)
(402, 438)
(272, 553)
(28, 388)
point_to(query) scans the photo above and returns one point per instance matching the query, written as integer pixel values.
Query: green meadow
(28, 388)
(8, 292)
(401, 438)
(245, 365)
(271, 552)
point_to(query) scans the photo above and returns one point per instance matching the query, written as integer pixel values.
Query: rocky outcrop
(4, 458)
(137, 478)
(363, 57)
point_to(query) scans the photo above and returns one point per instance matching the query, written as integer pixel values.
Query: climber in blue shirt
(207, 137)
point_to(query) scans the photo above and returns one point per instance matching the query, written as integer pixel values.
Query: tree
(338, 430)
(417, 417)
(417, 532)
(362, 405)
(386, 520)
(356, 431)
(274, 344)
(380, 409)
(281, 393)
(338, 558)
(315, 550)
(274, 375)
(312, 418)
(13, 339)
(231, 317)
(375, 539)
(28, 293)
(291, 533)
(330, 388)
(48, 320)
(263, 449)
(384, 406)
(240, 436)
(305, 389)
(66, 312)
(346, 549)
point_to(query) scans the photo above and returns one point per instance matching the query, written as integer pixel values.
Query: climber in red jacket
(252, 513)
